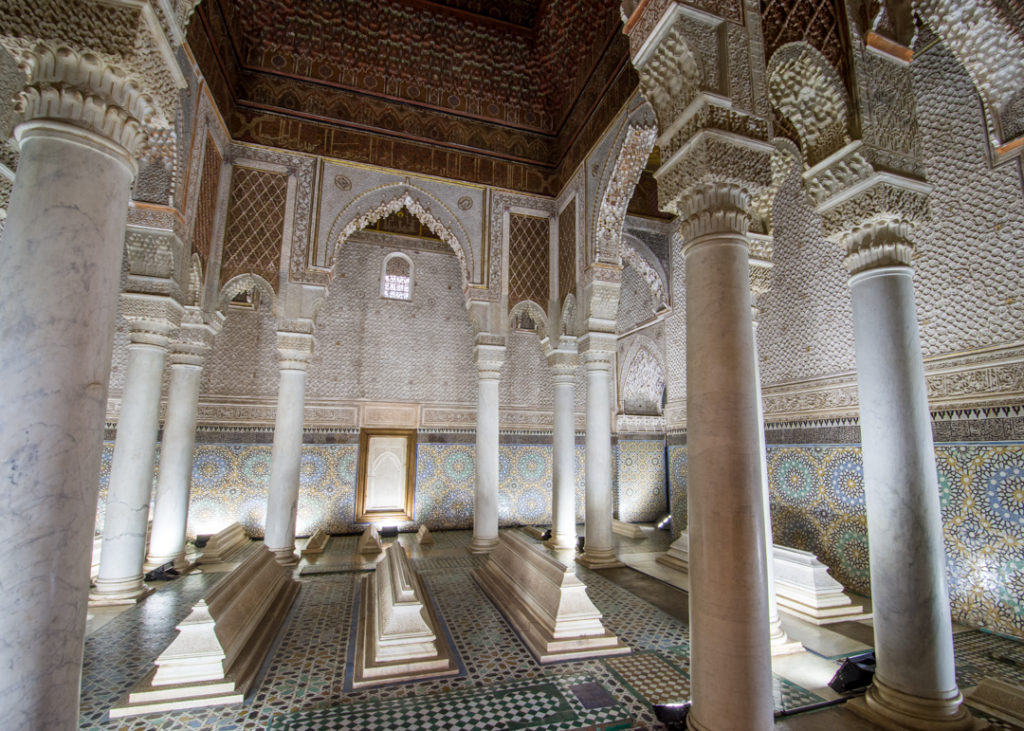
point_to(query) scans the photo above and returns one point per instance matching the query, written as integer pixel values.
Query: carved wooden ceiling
(507, 93)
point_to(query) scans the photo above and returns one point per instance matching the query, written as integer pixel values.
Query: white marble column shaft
(598, 545)
(563, 477)
(915, 683)
(170, 510)
(62, 246)
(286, 458)
(731, 679)
(131, 467)
(489, 359)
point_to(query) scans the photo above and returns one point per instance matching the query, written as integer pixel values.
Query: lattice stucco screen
(529, 263)
(567, 251)
(256, 210)
(206, 205)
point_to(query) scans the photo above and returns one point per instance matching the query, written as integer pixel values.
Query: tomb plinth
(399, 636)
(223, 544)
(369, 542)
(316, 543)
(627, 530)
(423, 536)
(804, 588)
(222, 643)
(545, 602)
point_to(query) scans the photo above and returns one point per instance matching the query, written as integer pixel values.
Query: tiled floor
(502, 688)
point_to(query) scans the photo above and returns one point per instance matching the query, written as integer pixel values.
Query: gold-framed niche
(386, 486)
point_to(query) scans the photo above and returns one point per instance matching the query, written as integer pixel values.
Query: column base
(285, 556)
(118, 592)
(561, 541)
(599, 558)
(482, 545)
(899, 711)
(181, 564)
(781, 644)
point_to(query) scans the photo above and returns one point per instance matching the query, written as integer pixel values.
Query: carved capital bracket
(601, 285)
(153, 319)
(195, 338)
(712, 159)
(294, 350)
(156, 263)
(104, 65)
(563, 363)
(598, 349)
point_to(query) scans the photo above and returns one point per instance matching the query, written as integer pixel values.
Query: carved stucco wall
(388, 350)
(969, 290)
(969, 280)
(636, 303)
(806, 327)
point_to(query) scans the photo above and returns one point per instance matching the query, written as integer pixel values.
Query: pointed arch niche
(378, 203)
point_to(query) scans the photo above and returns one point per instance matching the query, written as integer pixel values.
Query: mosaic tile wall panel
(641, 495)
(677, 487)
(817, 496)
(230, 483)
(445, 475)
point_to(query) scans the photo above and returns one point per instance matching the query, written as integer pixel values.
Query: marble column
(563, 440)
(731, 677)
(62, 242)
(170, 509)
(489, 355)
(294, 350)
(915, 682)
(598, 352)
(153, 320)
(781, 644)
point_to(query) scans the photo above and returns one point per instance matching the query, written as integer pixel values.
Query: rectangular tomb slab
(398, 637)
(221, 644)
(545, 602)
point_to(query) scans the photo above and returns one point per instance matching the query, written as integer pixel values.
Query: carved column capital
(873, 217)
(714, 209)
(104, 66)
(294, 350)
(489, 356)
(153, 319)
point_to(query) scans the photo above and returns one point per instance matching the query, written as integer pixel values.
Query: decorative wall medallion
(342, 182)
(465, 203)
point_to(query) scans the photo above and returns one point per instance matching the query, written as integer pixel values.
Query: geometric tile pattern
(446, 477)
(677, 487)
(255, 224)
(522, 704)
(529, 259)
(979, 654)
(641, 494)
(230, 483)
(655, 679)
(817, 502)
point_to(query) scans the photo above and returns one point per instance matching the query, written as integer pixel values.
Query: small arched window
(396, 277)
